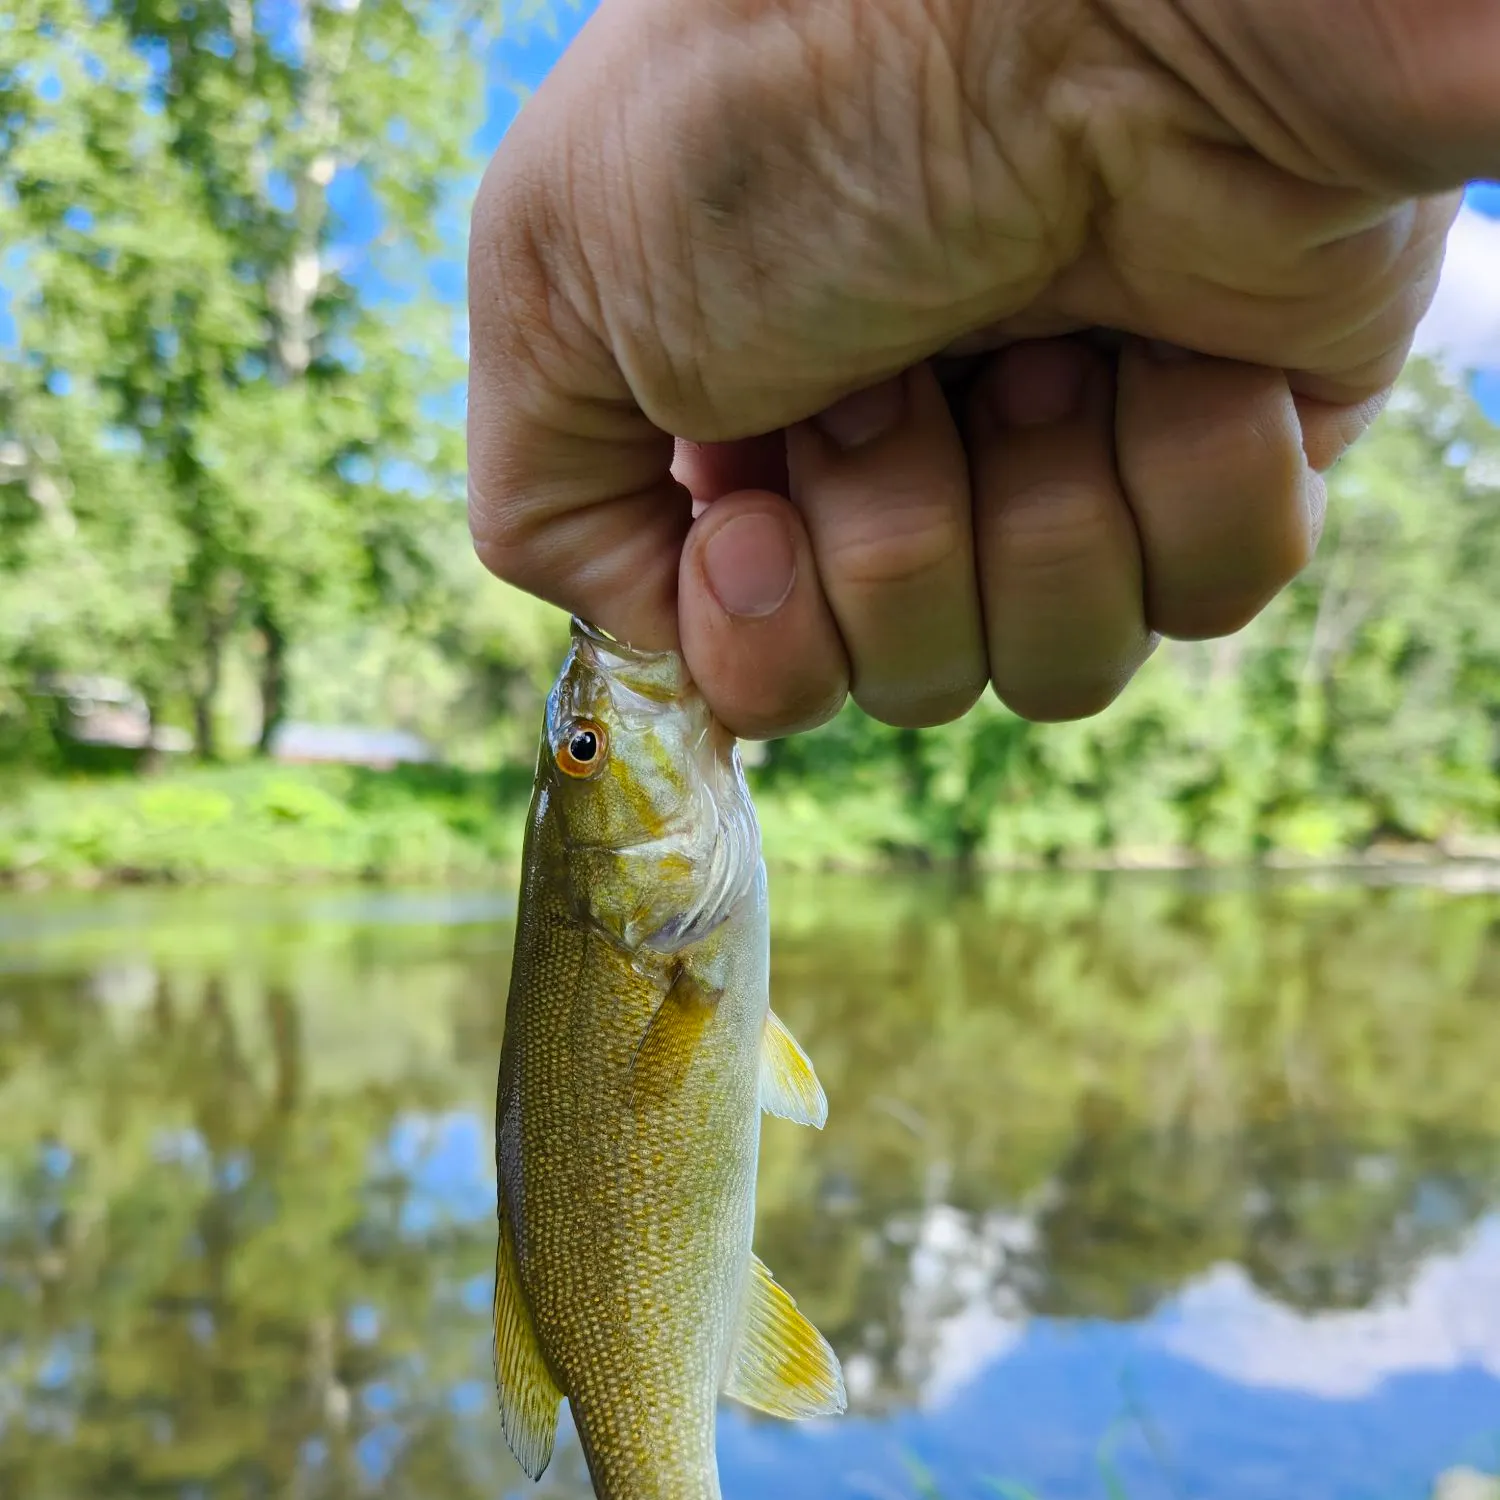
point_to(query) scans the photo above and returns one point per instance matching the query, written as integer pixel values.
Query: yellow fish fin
(788, 1086)
(671, 1040)
(780, 1363)
(528, 1395)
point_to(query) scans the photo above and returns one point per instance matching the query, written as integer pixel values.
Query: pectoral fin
(780, 1363)
(671, 1040)
(528, 1396)
(788, 1086)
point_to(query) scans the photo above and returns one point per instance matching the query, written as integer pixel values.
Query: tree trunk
(205, 609)
(967, 837)
(916, 774)
(272, 679)
(206, 694)
(204, 738)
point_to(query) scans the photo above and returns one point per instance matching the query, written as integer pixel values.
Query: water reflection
(1130, 1187)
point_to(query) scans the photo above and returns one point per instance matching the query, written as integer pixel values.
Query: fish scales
(639, 1051)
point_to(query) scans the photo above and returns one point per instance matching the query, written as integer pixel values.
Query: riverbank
(258, 824)
(273, 824)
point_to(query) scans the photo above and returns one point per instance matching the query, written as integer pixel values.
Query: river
(1134, 1187)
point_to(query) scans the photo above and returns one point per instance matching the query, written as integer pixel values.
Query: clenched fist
(898, 347)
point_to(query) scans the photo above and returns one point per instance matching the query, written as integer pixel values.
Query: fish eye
(581, 751)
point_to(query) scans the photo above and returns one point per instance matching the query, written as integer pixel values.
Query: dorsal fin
(788, 1086)
(779, 1362)
(529, 1397)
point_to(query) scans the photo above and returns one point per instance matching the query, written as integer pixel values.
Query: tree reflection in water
(246, 1200)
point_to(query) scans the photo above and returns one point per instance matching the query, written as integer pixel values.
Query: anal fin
(780, 1363)
(529, 1397)
(789, 1087)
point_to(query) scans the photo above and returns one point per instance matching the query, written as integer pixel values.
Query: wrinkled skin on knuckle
(1222, 220)
(505, 536)
(534, 311)
(1051, 531)
(900, 547)
(1017, 77)
(851, 167)
(1392, 94)
(580, 276)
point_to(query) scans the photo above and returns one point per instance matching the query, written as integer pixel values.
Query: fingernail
(1039, 384)
(750, 564)
(859, 419)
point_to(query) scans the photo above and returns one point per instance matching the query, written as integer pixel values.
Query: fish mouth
(601, 642)
(651, 681)
(660, 677)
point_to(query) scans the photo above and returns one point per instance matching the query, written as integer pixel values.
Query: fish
(639, 1052)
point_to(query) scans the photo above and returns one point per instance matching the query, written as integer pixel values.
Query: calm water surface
(1132, 1187)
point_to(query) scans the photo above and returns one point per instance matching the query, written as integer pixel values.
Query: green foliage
(232, 480)
(210, 442)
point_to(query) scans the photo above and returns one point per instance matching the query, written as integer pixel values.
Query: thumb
(573, 500)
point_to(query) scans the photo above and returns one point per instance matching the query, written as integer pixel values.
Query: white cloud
(1462, 327)
(959, 1315)
(1449, 1318)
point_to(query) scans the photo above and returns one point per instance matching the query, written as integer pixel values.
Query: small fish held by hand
(639, 1051)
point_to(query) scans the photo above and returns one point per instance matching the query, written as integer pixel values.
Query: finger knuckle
(1055, 701)
(1229, 531)
(906, 707)
(1206, 613)
(505, 533)
(1054, 530)
(899, 546)
(802, 706)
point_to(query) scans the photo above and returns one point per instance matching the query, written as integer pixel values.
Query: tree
(194, 318)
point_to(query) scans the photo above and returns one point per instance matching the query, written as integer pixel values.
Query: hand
(736, 250)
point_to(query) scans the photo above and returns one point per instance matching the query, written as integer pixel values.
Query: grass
(262, 823)
(925, 1487)
(258, 823)
(1134, 1419)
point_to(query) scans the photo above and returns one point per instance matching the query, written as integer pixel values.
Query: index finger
(571, 494)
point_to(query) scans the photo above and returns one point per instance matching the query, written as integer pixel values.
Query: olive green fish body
(639, 1052)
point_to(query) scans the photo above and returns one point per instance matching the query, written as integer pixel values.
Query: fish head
(655, 825)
